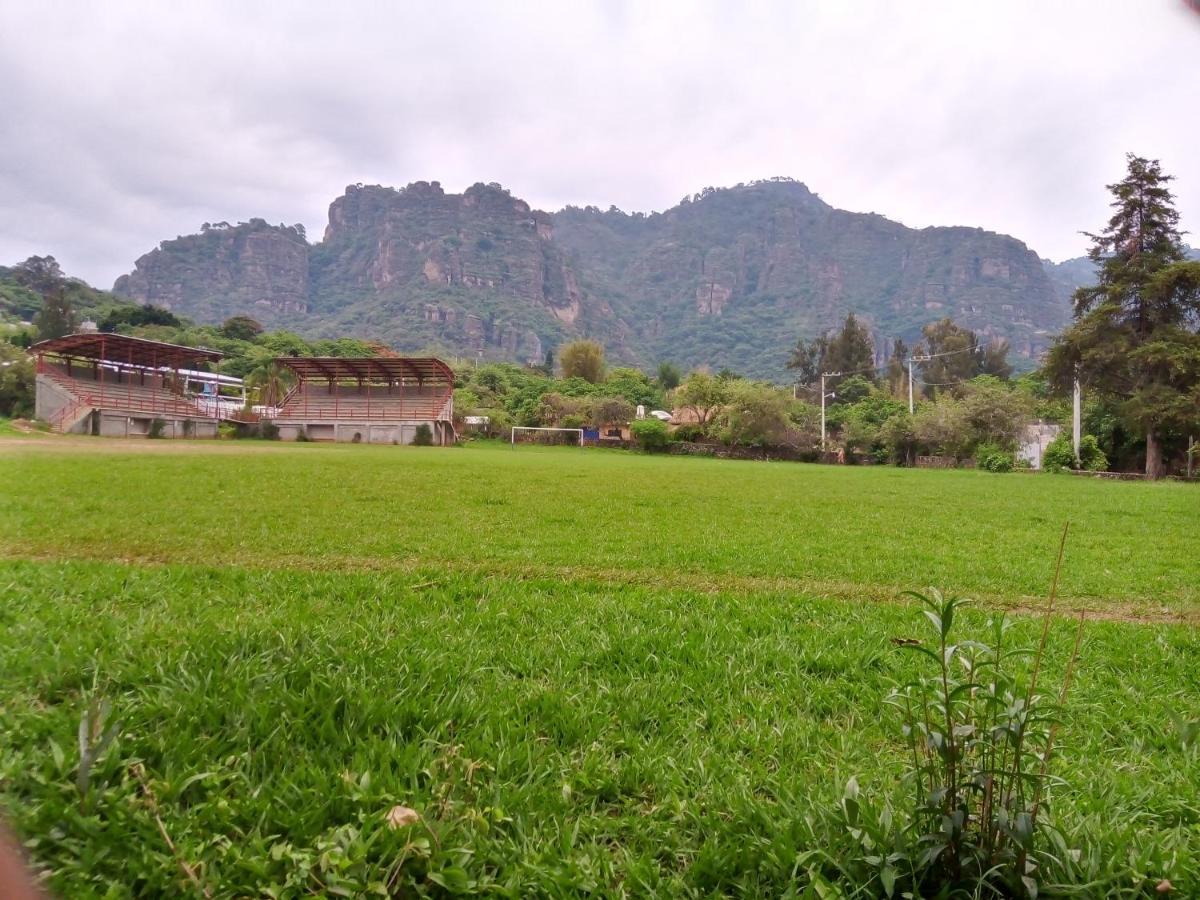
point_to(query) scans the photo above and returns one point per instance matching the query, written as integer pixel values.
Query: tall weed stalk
(980, 736)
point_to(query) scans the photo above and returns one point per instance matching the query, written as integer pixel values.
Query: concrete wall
(114, 423)
(367, 432)
(49, 398)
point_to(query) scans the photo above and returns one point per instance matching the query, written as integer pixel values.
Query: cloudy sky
(128, 123)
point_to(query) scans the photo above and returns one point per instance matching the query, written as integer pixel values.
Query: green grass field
(587, 671)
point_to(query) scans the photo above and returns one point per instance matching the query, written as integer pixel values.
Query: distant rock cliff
(729, 277)
(252, 268)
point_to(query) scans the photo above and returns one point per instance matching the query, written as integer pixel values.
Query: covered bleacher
(120, 386)
(377, 399)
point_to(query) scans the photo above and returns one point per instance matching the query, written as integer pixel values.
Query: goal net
(527, 434)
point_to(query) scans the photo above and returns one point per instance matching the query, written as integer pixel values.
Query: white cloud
(128, 123)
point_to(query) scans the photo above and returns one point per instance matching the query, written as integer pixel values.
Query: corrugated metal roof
(122, 348)
(368, 368)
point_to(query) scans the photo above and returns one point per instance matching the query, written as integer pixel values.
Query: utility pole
(911, 360)
(825, 375)
(1076, 420)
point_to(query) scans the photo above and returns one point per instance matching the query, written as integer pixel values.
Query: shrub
(227, 431)
(1091, 457)
(302, 435)
(651, 435)
(980, 738)
(993, 458)
(423, 436)
(189, 428)
(1059, 454)
(268, 430)
(156, 428)
(689, 433)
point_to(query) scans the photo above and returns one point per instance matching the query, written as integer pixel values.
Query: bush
(689, 433)
(980, 738)
(423, 436)
(227, 431)
(993, 458)
(1091, 457)
(157, 426)
(1059, 454)
(302, 435)
(268, 430)
(651, 435)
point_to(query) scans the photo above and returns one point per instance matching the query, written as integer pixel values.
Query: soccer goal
(547, 436)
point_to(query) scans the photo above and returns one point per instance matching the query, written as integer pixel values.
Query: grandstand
(120, 386)
(376, 400)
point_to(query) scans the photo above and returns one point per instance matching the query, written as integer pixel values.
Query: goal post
(549, 435)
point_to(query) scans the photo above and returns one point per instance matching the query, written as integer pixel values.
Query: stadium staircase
(86, 395)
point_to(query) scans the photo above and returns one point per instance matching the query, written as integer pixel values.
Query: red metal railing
(115, 398)
(300, 404)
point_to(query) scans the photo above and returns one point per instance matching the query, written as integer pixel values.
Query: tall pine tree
(849, 350)
(1134, 341)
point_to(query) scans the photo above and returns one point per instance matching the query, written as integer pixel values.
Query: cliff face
(252, 268)
(729, 277)
(478, 271)
(734, 276)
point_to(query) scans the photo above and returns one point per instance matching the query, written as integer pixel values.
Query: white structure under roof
(1033, 441)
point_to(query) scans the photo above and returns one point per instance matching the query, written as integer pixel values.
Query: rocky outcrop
(732, 277)
(251, 268)
(728, 277)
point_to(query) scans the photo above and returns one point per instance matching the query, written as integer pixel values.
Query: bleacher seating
(121, 391)
(312, 401)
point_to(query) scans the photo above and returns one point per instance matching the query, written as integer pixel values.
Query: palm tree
(270, 382)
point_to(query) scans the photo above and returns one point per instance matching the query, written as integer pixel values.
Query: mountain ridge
(729, 277)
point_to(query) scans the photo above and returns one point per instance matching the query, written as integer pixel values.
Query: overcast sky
(129, 123)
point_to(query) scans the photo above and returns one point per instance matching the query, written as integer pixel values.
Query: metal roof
(364, 368)
(121, 348)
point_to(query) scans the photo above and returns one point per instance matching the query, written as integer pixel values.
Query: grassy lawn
(586, 671)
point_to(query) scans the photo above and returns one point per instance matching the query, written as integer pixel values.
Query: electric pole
(1076, 420)
(825, 375)
(911, 360)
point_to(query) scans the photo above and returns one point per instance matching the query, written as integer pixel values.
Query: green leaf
(887, 875)
(453, 878)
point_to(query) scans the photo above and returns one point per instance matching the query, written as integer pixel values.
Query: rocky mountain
(251, 268)
(729, 277)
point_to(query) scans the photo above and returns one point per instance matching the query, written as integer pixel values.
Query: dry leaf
(399, 816)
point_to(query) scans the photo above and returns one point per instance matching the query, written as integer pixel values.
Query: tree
(756, 414)
(16, 381)
(669, 376)
(634, 385)
(138, 316)
(56, 316)
(896, 372)
(610, 410)
(582, 359)
(994, 413)
(270, 381)
(1134, 339)
(941, 427)
(806, 359)
(241, 328)
(847, 351)
(851, 350)
(703, 395)
(42, 274)
(957, 355)
(994, 360)
(651, 435)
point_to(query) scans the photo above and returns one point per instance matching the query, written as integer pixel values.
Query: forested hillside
(727, 278)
